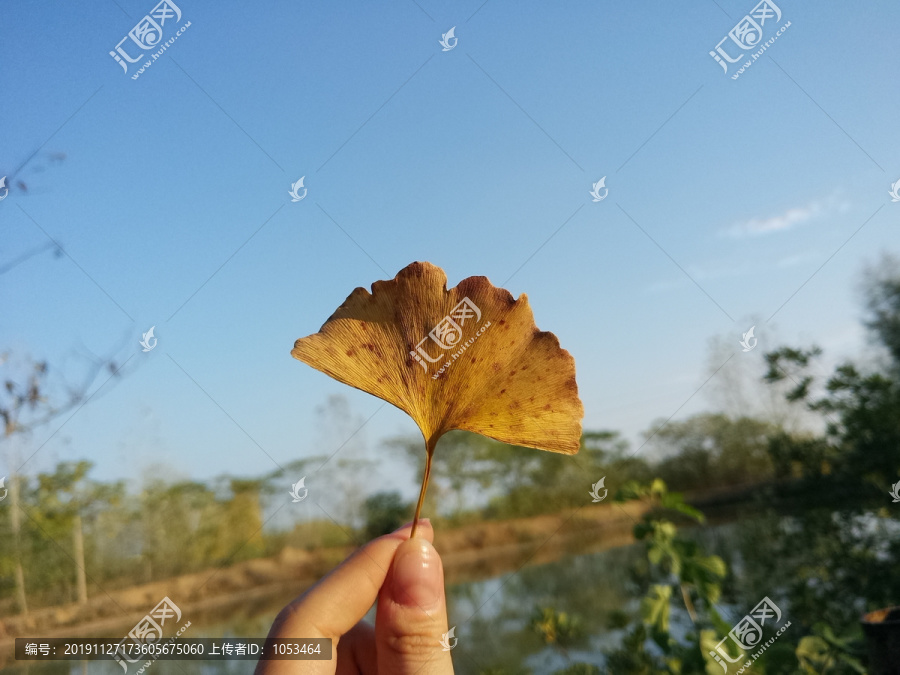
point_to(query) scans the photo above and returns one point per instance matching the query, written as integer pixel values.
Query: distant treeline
(63, 535)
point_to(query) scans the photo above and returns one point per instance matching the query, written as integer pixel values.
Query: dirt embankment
(469, 553)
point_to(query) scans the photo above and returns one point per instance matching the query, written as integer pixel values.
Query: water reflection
(494, 616)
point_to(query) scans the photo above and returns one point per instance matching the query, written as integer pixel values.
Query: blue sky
(725, 197)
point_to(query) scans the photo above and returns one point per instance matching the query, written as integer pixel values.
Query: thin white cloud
(699, 274)
(794, 216)
(797, 259)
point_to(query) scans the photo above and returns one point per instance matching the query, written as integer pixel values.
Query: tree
(463, 463)
(178, 525)
(385, 512)
(64, 500)
(24, 401)
(861, 443)
(29, 400)
(881, 290)
(737, 389)
(711, 449)
(564, 481)
(241, 524)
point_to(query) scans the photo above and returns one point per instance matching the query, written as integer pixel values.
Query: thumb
(412, 613)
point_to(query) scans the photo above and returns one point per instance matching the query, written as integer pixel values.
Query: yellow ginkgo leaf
(469, 358)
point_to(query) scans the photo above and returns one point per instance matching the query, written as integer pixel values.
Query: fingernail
(417, 576)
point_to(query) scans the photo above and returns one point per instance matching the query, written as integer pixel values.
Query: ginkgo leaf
(467, 358)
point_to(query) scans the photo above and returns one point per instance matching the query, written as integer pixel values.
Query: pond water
(492, 618)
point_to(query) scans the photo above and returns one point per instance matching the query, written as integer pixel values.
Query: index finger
(339, 600)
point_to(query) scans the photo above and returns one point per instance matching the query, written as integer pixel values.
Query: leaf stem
(429, 450)
(686, 594)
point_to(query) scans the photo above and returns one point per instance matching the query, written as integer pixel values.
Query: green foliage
(555, 627)
(632, 658)
(384, 512)
(824, 651)
(788, 362)
(705, 450)
(617, 618)
(673, 555)
(164, 530)
(862, 440)
(462, 462)
(174, 535)
(470, 467)
(827, 562)
(862, 409)
(560, 480)
(797, 456)
(51, 503)
(314, 534)
(655, 607)
(712, 449)
(579, 669)
(681, 571)
(882, 285)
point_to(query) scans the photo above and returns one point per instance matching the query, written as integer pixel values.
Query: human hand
(407, 578)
